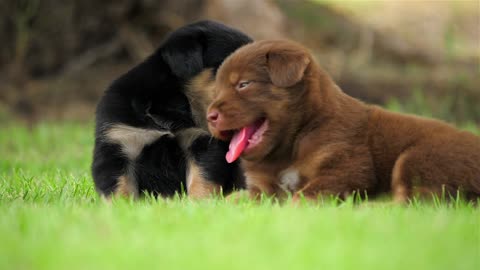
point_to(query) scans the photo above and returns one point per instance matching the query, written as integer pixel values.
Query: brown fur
(126, 187)
(198, 187)
(200, 94)
(335, 143)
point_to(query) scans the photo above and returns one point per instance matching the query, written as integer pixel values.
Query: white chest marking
(289, 179)
(133, 139)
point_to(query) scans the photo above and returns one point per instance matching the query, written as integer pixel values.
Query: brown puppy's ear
(286, 67)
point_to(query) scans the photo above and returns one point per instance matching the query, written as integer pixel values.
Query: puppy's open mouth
(246, 138)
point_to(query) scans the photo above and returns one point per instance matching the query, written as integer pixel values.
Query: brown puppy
(296, 131)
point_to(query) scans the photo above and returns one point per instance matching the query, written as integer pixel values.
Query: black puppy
(150, 133)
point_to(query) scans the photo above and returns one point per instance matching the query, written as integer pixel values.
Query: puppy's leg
(401, 179)
(328, 186)
(263, 183)
(208, 172)
(255, 194)
(413, 177)
(341, 173)
(109, 170)
(238, 196)
(126, 187)
(197, 186)
(442, 169)
(116, 149)
(161, 168)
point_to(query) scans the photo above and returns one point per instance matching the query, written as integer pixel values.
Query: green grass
(51, 218)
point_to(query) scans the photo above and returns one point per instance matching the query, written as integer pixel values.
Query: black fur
(151, 96)
(207, 151)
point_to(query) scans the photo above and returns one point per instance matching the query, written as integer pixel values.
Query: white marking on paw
(289, 180)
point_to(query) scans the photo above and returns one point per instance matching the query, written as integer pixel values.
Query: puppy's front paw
(300, 199)
(238, 196)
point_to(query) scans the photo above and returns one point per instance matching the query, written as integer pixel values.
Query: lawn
(51, 218)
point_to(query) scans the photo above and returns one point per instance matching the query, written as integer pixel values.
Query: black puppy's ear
(184, 57)
(286, 66)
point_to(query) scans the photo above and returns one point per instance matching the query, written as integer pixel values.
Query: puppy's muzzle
(213, 118)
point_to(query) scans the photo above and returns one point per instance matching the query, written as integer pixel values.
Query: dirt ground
(59, 56)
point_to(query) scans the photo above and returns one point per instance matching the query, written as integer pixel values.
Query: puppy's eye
(243, 84)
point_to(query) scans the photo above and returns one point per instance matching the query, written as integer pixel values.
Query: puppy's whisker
(211, 139)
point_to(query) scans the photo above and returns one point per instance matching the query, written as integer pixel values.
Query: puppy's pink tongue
(239, 142)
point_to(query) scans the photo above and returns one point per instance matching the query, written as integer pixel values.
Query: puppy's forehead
(251, 59)
(244, 61)
(233, 77)
(234, 70)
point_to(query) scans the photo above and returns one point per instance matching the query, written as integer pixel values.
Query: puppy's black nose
(212, 117)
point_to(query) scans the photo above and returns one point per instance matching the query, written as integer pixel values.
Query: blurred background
(58, 56)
